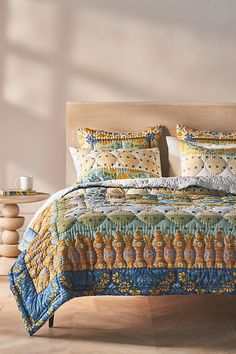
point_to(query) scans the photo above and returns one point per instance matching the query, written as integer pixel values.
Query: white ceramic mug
(24, 183)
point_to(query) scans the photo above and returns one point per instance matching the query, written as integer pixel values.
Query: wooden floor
(115, 325)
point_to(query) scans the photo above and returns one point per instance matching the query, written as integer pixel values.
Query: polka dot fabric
(201, 161)
(97, 165)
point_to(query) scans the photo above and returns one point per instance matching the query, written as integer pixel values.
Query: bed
(135, 237)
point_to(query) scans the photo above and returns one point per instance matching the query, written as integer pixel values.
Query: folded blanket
(127, 237)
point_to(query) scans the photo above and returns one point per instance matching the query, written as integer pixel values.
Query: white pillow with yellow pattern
(202, 161)
(99, 165)
(214, 140)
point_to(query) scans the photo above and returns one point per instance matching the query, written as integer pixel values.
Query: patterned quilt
(128, 237)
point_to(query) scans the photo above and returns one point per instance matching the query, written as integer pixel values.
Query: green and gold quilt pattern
(146, 237)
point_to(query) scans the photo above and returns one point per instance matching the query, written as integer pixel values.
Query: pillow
(205, 136)
(101, 139)
(201, 161)
(99, 165)
(174, 156)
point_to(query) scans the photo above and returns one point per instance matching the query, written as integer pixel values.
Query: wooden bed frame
(135, 116)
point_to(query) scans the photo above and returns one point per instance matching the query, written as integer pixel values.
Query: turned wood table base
(10, 222)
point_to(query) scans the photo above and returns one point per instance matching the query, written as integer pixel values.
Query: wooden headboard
(135, 116)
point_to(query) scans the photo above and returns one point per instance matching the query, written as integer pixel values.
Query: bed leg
(51, 321)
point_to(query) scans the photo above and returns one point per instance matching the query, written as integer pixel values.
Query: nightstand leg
(10, 222)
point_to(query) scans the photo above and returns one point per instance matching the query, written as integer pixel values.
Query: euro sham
(101, 139)
(100, 165)
(205, 136)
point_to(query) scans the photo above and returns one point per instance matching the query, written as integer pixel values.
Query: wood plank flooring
(121, 325)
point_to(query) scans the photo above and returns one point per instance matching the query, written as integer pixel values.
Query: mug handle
(17, 185)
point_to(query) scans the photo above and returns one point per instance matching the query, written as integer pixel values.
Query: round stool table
(10, 222)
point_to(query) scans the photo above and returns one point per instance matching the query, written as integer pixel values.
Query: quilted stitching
(200, 161)
(95, 165)
(156, 241)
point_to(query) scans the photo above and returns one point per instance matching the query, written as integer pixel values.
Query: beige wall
(52, 51)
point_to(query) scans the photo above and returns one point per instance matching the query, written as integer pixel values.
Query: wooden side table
(11, 222)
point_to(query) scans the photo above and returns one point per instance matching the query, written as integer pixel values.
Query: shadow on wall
(54, 51)
(32, 93)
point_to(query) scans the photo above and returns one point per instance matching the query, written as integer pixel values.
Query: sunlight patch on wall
(32, 24)
(28, 84)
